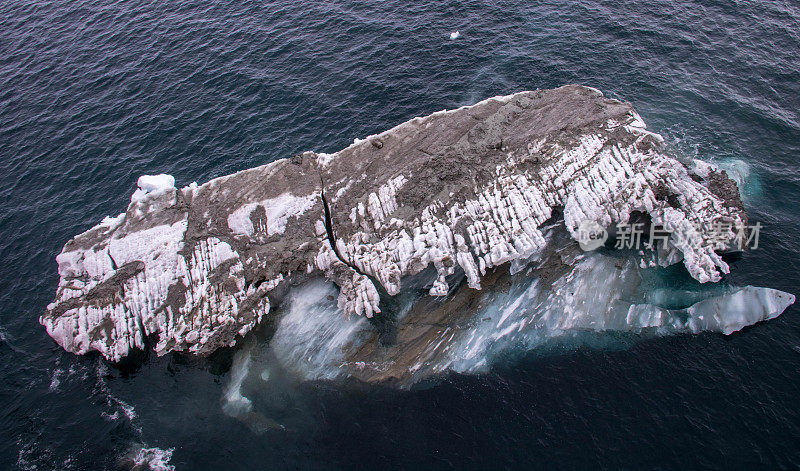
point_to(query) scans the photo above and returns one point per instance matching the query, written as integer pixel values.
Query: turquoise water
(95, 93)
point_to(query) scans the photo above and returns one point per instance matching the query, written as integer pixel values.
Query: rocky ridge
(462, 190)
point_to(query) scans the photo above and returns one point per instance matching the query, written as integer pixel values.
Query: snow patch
(151, 185)
(278, 211)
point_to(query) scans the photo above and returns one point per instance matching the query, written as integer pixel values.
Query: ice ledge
(727, 313)
(196, 268)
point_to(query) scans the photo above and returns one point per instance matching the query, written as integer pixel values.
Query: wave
(152, 458)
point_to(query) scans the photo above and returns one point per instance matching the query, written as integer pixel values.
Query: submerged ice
(598, 299)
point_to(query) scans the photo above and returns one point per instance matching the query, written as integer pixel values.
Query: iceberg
(386, 252)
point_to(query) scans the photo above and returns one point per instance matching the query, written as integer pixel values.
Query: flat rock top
(456, 151)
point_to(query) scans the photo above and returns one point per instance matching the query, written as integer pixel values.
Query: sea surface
(94, 93)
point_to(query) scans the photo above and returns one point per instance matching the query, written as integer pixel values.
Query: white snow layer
(150, 185)
(201, 316)
(595, 180)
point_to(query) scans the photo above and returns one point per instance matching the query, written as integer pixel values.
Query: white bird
(455, 35)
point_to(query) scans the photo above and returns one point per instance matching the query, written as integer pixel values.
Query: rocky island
(438, 239)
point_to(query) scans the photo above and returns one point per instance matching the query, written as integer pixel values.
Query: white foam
(55, 380)
(312, 334)
(235, 404)
(155, 459)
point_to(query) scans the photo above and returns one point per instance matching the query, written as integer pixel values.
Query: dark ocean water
(94, 93)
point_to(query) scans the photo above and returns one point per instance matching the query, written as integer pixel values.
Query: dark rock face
(459, 191)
